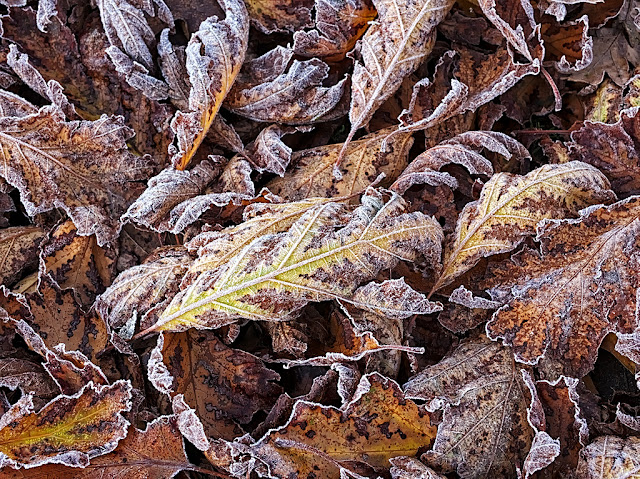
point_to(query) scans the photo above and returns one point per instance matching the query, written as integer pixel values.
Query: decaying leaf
(268, 152)
(214, 56)
(223, 385)
(562, 302)
(376, 425)
(511, 206)
(18, 250)
(484, 430)
(81, 166)
(280, 15)
(610, 457)
(278, 274)
(69, 430)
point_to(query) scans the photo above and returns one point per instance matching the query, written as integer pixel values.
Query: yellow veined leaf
(511, 206)
(277, 274)
(212, 74)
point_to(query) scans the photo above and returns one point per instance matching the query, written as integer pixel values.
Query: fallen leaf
(19, 250)
(511, 206)
(69, 430)
(563, 301)
(375, 426)
(403, 467)
(610, 457)
(277, 15)
(484, 430)
(268, 152)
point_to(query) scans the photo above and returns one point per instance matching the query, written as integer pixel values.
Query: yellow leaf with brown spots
(379, 423)
(510, 207)
(69, 430)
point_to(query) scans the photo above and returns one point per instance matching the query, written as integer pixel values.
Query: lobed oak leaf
(294, 97)
(69, 430)
(143, 454)
(277, 274)
(81, 166)
(364, 160)
(18, 250)
(511, 206)
(339, 24)
(562, 302)
(214, 56)
(223, 385)
(484, 430)
(379, 423)
(391, 49)
(77, 262)
(270, 16)
(610, 457)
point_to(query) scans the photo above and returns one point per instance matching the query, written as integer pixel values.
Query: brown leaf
(568, 44)
(223, 385)
(339, 24)
(29, 377)
(268, 152)
(69, 430)
(214, 56)
(77, 262)
(376, 425)
(280, 15)
(152, 453)
(19, 250)
(484, 430)
(561, 303)
(364, 160)
(81, 166)
(403, 467)
(610, 457)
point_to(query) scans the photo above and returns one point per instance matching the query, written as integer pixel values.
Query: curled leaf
(18, 250)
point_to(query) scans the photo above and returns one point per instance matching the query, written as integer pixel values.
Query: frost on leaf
(510, 207)
(562, 301)
(379, 423)
(214, 56)
(81, 166)
(339, 24)
(364, 160)
(268, 152)
(225, 386)
(484, 430)
(277, 274)
(610, 457)
(280, 15)
(69, 430)
(18, 250)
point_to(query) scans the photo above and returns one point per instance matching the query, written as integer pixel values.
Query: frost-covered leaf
(379, 423)
(18, 250)
(83, 167)
(277, 274)
(69, 430)
(510, 207)
(562, 302)
(280, 15)
(610, 457)
(268, 152)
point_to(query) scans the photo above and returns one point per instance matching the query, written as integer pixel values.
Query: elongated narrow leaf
(278, 274)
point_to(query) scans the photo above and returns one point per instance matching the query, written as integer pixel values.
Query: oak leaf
(511, 206)
(18, 250)
(278, 274)
(69, 430)
(379, 423)
(562, 302)
(484, 430)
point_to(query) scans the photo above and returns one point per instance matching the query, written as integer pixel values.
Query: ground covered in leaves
(320, 239)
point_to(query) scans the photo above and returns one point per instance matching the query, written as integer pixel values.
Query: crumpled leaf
(277, 274)
(18, 250)
(214, 56)
(174, 199)
(511, 206)
(293, 97)
(339, 24)
(365, 159)
(69, 430)
(562, 302)
(279, 15)
(81, 166)
(223, 385)
(142, 291)
(610, 457)
(143, 454)
(569, 44)
(376, 425)
(268, 152)
(391, 49)
(77, 262)
(29, 377)
(484, 430)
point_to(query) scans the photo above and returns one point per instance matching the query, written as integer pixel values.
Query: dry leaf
(69, 430)
(403, 467)
(610, 457)
(280, 15)
(376, 425)
(511, 206)
(18, 250)
(484, 430)
(277, 274)
(561, 303)
(268, 152)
